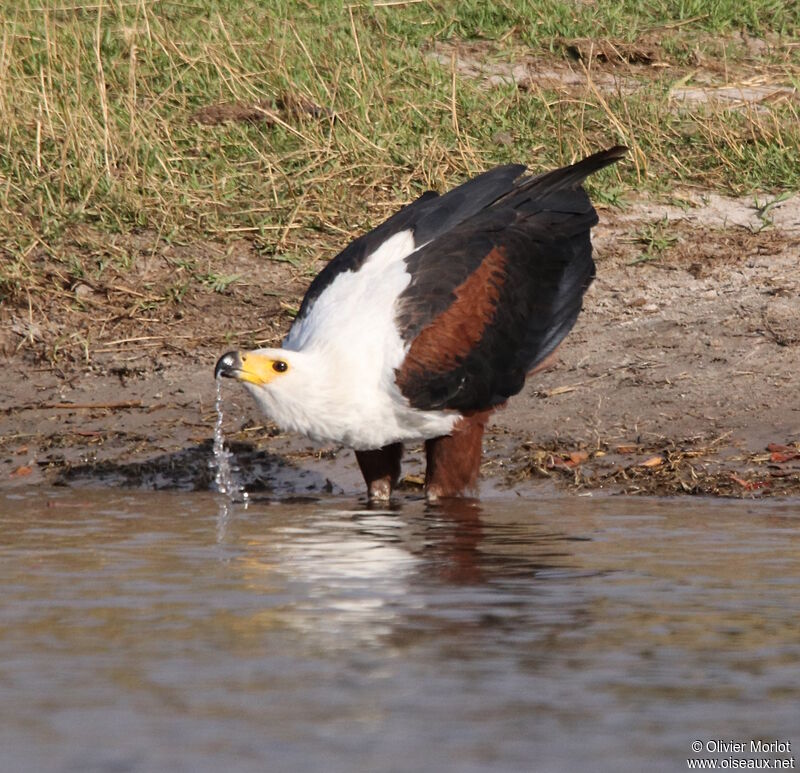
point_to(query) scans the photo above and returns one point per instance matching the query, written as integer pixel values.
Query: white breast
(351, 327)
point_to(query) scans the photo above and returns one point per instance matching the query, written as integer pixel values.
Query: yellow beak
(246, 366)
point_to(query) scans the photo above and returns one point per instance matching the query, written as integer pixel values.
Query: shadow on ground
(191, 469)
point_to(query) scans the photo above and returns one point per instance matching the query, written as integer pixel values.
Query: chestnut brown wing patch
(489, 304)
(448, 340)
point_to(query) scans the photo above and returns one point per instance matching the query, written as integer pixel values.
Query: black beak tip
(227, 364)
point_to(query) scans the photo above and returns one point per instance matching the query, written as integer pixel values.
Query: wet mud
(680, 377)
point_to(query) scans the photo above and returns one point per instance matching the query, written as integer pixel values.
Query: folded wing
(490, 299)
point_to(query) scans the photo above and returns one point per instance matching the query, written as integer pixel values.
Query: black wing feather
(542, 227)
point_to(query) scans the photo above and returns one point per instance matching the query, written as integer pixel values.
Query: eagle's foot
(381, 470)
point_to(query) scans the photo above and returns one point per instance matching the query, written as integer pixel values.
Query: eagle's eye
(279, 366)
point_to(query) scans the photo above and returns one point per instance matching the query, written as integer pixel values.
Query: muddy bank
(680, 377)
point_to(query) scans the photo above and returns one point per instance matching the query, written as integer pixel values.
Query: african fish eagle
(422, 327)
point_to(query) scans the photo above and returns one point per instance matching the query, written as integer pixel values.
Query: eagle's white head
(292, 388)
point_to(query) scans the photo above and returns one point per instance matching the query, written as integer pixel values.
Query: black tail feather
(572, 176)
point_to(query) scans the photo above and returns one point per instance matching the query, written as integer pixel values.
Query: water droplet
(226, 475)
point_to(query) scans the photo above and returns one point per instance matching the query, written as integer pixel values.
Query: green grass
(97, 130)
(655, 239)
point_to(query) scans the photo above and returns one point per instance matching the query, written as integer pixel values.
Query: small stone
(83, 291)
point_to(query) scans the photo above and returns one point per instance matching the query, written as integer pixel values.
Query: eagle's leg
(381, 469)
(454, 460)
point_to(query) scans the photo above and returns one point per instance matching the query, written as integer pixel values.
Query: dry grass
(131, 128)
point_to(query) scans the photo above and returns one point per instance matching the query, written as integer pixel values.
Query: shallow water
(570, 634)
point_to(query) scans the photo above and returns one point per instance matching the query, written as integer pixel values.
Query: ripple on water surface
(567, 634)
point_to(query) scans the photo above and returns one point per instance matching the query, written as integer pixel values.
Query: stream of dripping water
(226, 478)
